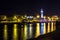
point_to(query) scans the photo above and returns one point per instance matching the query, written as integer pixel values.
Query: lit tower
(42, 24)
(41, 13)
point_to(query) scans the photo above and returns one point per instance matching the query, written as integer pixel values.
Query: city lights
(38, 16)
(38, 25)
(41, 23)
(30, 31)
(33, 18)
(29, 19)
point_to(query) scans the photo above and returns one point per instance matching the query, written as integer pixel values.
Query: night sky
(30, 7)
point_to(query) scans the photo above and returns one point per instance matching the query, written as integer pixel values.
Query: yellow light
(25, 15)
(37, 30)
(54, 18)
(38, 16)
(49, 19)
(25, 32)
(15, 36)
(30, 31)
(5, 33)
(44, 28)
(22, 17)
(19, 20)
(15, 18)
(52, 27)
(44, 16)
(48, 31)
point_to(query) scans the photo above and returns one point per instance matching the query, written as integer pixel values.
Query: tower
(41, 13)
(42, 24)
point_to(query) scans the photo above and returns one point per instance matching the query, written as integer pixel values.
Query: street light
(38, 16)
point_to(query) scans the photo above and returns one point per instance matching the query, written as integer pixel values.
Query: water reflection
(30, 30)
(15, 35)
(45, 28)
(52, 27)
(25, 32)
(42, 28)
(5, 32)
(48, 31)
(37, 30)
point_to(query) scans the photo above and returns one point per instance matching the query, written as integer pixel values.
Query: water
(5, 32)
(25, 31)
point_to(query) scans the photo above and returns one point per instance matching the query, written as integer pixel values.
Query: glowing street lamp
(38, 16)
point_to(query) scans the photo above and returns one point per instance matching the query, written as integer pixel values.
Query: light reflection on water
(25, 32)
(48, 31)
(45, 28)
(52, 27)
(5, 32)
(29, 30)
(37, 30)
(42, 28)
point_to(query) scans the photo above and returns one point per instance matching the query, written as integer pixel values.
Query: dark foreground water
(24, 31)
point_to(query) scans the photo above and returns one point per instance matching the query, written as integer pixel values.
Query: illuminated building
(41, 13)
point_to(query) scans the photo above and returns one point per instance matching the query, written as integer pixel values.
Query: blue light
(41, 10)
(42, 28)
(41, 13)
(42, 24)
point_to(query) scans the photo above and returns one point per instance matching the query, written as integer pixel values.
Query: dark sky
(51, 7)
